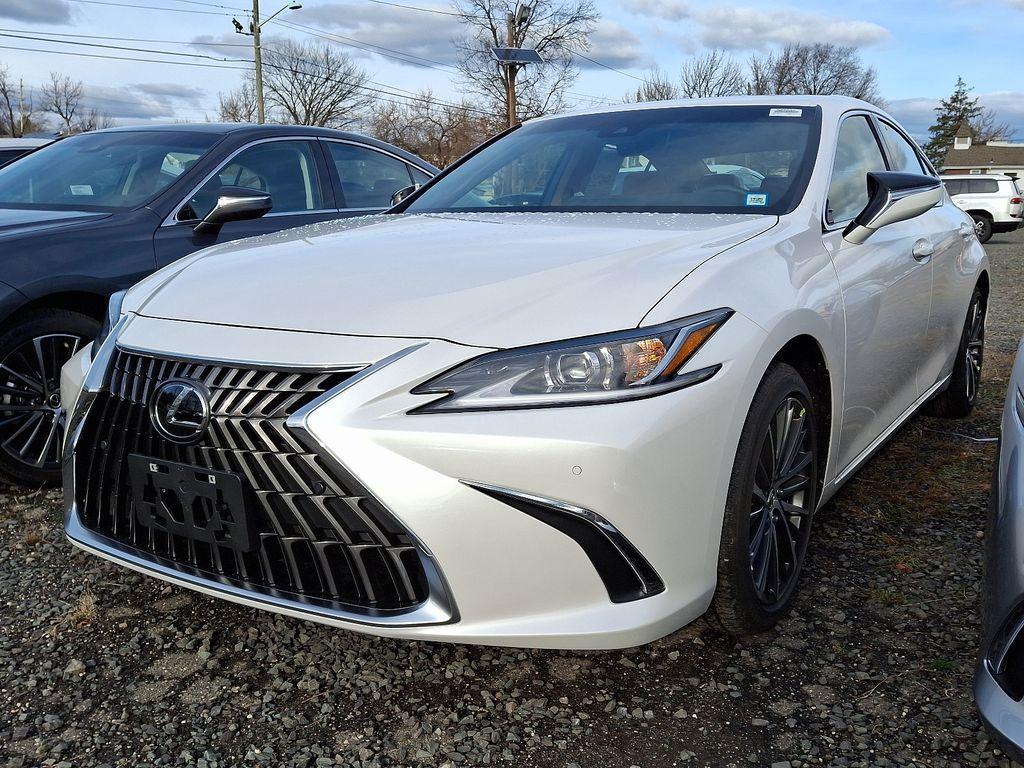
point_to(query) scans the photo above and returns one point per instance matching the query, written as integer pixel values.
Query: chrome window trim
(402, 160)
(438, 608)
(172, 217)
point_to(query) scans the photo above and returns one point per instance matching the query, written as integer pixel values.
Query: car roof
(25, 142)
(252, 131)
(999, 176)
(831, 106)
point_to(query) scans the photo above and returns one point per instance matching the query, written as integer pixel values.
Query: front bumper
(656, 470)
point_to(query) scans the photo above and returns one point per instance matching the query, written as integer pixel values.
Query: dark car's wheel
(772, 496)
(957, 400)
(32, 352)
(982, 227)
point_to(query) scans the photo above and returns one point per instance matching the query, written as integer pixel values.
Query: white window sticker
(785, 112)
(759, 199)
(81, 189)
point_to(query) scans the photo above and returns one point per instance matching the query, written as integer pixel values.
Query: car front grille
(319, 537)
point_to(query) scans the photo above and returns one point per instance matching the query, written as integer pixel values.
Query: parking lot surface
(100, 666)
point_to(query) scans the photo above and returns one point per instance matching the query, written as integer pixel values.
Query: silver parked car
(999, 681)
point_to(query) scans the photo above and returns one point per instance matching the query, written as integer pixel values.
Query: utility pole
(512, 57)
(257, 54)
(261, 116)
(511, 71)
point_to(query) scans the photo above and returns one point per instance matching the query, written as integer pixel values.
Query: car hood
(490, 280)
(19, 221)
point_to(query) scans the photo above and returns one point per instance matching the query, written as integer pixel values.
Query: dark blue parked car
(94, 213)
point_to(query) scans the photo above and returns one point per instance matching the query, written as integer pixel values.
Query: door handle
(923, 250)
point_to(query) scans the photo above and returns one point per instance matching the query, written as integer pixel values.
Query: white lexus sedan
(590, 383)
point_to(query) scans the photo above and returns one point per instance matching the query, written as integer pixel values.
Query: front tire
(32, 352)
(772, 496)
(958, 399)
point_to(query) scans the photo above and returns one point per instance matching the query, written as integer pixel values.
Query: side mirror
(403, 193)
(893, 197)
(234, 204)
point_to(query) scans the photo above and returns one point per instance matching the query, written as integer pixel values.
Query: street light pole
(257, 54)
(261, 116)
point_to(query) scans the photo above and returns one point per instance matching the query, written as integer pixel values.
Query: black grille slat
(318, 535)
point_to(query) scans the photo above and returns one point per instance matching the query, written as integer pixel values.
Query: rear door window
(983, 186)
(902, 155)
(368, 178)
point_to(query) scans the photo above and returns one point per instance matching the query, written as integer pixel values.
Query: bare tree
(714, 73)
(239, 105)
(63, 97)
(314, 84)
(436, 131)
(656, 87)
(821, 68)
(8, 103)
(987, 127)
(554, 28)
(94, 120)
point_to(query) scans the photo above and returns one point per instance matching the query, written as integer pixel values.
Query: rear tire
(32, 352)
(772, 495)
(982, 227)
(958, 399)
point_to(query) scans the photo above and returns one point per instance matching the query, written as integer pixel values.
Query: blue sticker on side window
(758, 199)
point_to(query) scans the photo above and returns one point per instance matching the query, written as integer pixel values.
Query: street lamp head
(295, 6)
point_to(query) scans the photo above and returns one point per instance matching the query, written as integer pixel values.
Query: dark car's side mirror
(403, 193)
(234, 204)
(893, 197)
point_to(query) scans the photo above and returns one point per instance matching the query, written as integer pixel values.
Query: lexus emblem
(180, 410)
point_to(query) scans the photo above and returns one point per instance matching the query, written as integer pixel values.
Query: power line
(607, 66)
(150, 7)
(125, 39)
(382, 93)
(417, 8)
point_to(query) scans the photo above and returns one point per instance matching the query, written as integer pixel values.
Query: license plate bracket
(194, 502)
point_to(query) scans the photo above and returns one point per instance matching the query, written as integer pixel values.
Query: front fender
(783, 281)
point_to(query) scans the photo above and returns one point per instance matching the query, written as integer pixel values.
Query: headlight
(598, 369)
(113, 315)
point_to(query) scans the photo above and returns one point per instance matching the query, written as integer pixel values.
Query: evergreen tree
(953, 112)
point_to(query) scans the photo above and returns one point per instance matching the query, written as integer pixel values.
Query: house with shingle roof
(970, 156)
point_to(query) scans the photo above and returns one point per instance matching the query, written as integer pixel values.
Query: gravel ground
(99, 666)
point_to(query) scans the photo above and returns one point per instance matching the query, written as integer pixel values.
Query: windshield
(101, 171)
(686, 159)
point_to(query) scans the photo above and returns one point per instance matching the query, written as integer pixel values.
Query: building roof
(985, 156)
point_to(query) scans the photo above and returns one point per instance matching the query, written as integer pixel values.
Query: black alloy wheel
(961, 393)
(974, 350)
(31, 420)
(780, 512)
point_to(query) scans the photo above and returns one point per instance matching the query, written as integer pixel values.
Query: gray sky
(918, 47)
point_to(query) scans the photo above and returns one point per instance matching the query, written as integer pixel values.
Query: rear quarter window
(982, 186)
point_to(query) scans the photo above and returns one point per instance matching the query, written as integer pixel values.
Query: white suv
(994, 201)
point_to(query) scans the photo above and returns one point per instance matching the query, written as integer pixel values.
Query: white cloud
(424, 35)
(614, 45)
(36, 11)
(744, 28)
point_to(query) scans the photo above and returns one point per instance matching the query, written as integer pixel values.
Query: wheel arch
(805, 354)
(92, 304)
(979, 212)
